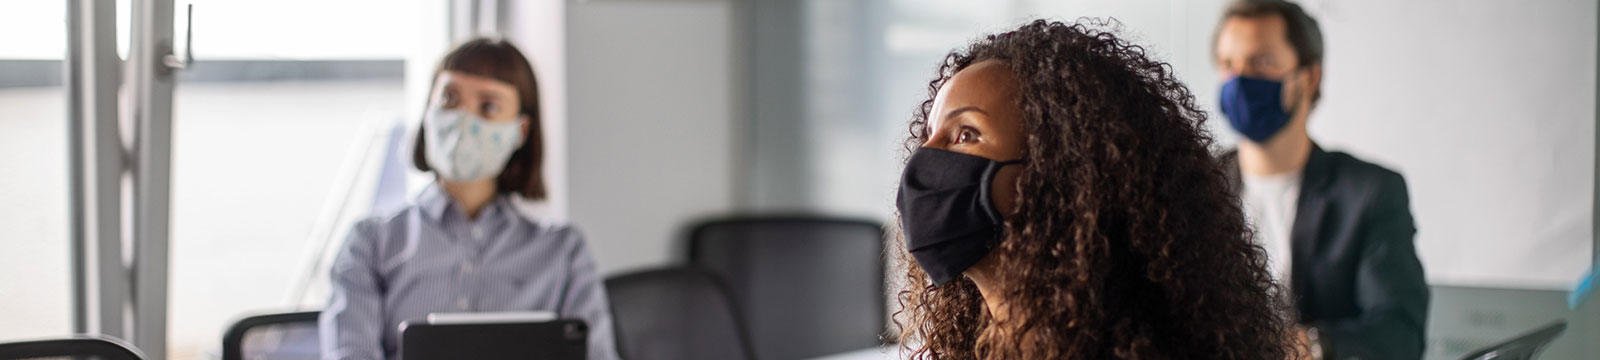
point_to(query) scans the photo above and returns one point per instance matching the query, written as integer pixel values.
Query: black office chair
(285, 336)
(76, 347)
(806, 286)
(674, 313)
(1524, 346)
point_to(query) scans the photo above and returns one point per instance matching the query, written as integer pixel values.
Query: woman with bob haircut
(462, 246)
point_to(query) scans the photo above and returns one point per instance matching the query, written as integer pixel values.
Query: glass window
(279, 130)
(33, 157)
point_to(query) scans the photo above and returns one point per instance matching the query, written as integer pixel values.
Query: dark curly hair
(1126, 241)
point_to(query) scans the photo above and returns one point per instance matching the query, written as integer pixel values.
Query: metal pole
(100, 289)
(75, 161)
(151, 83)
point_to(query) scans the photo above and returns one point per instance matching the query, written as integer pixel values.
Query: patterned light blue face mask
(465, 147)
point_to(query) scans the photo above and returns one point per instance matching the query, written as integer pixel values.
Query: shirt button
(461, 303)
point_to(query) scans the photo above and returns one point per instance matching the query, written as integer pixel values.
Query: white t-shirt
(1270, 202)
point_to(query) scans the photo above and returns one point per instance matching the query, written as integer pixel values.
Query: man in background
(1337, 230)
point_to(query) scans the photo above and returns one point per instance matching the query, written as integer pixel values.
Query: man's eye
(1263, 62)
(967, 135)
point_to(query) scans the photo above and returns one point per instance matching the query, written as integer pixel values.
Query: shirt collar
(435, 203)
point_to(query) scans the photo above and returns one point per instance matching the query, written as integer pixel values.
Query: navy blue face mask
(947, 210)
(1254, 107)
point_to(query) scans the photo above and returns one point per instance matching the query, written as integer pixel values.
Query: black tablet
(1524, 346)
(563, 339)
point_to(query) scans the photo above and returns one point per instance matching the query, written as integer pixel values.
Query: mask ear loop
(986, 189)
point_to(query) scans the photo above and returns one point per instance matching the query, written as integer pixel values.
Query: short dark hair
(1303, 33)
(498, 59)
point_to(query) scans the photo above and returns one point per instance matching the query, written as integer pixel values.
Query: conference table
(885, 352)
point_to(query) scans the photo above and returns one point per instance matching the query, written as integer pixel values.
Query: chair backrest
(1524, 346)
(674, 313)
(807, 287)
(80, 346)
(284, 336)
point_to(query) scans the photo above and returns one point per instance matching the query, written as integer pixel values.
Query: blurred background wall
(663, 112)
(682, 109)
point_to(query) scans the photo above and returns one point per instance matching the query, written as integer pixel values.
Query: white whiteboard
(1488, 109)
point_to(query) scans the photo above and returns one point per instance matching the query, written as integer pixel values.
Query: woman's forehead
(460, 80)
(985, 85)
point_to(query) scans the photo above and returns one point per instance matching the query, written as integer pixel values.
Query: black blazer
(1354, 271)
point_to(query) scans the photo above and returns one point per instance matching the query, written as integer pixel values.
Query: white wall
(651, 131)
(539, 29)
(1489, 112)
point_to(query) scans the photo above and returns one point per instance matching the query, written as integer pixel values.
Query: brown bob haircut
(498, 59)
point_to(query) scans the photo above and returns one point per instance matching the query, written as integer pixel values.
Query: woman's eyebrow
(963, 109)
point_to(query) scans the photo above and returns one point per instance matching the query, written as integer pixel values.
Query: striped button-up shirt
(430, 257)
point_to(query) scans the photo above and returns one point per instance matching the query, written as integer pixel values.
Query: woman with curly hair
(1061, 201)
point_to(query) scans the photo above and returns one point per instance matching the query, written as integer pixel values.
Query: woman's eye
(490, 109)
(966, 135)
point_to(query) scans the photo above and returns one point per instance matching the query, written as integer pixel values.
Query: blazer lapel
(1308, 221)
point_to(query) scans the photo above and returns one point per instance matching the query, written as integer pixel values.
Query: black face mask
(947, 210)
